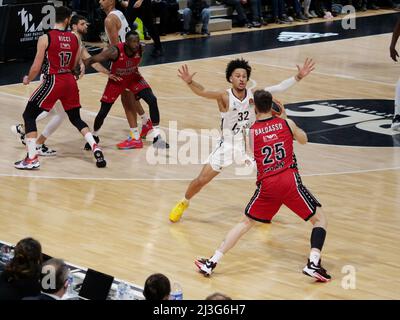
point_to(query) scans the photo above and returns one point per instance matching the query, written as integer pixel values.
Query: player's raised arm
(37, 63)
(298, 133)
(197, 88)
(395, 37)
(304, 71)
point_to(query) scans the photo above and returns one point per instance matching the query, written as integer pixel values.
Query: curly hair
(27, 260)
(237, 64)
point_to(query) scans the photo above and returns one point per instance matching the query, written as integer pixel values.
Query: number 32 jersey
(273, 147)
(240, 115)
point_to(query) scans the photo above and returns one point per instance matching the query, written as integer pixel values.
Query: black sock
(317, 239)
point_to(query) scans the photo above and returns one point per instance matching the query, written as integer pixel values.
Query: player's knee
(319, 219)
(75, 118)
(30, 114)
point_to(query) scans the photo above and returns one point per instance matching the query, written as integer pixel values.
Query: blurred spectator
(298, 14)
(256, 13)
(218, 296)
(143, 9)
(157, 287)
(21, 275)
(197, 10)
(237, 6)
(54, 280)
(279, 13)
(160, 9)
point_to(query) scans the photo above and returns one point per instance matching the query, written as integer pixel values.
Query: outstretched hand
(308, 67)
(183, 73)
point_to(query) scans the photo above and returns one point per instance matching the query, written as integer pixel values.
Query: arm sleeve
(283, 86)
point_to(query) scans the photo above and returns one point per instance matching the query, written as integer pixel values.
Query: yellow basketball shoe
(177, 211)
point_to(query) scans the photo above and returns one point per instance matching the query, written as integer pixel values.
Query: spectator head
(218, 296)
(54, 277)
(63, 15)
(235, 66)
(79, 24)
(27, 260)
(132, 39)
(157, 287)
(263, 101)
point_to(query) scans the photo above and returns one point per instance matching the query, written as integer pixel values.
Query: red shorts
(283, 188)
(56, 87)
(114, 88)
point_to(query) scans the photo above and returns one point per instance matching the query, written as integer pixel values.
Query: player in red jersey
(58, 53)
(278, 182)
(125, 57)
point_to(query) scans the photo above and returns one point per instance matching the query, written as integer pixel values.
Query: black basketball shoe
(316, 271)
(98, 154)
(205, 266)
(396, 122)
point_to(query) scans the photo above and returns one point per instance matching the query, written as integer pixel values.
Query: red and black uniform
(125, 67)
(278, 180)
(58, 82)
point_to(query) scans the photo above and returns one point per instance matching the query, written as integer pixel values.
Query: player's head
(132, 40)
(79, 24)
(106, 5)
(238, 73)
(63, 15)
(263, 101)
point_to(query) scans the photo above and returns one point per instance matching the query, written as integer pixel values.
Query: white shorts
(225, 154)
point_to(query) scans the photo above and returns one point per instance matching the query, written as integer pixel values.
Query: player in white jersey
(237, 111)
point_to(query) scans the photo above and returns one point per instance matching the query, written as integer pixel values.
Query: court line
(190, 179)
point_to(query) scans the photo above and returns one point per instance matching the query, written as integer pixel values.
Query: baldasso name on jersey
(267, 129)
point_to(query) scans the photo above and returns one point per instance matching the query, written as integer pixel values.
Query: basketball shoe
(177, 211)
(87, 145)
(316, 271)
(45, 151)
(28, 164)
(148, 126)
(98, 154)
(396, 122)
(206, 267)
(19, 130)
(130, 144)
(159, 143)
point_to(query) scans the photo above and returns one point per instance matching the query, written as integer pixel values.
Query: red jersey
(61, 52)
(273, 147)
(125, 66)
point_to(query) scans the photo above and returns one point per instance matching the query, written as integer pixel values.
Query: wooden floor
(116, 219)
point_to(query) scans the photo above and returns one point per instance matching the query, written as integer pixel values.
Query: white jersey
(240, 115)
(124, 25)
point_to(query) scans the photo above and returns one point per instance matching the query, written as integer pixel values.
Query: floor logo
(298, 36)
(347, 122)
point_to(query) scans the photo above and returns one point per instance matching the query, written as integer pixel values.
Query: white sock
(41, 116)
(397, 99)
(315, 256)
(144, 117)
(31, 146)
(96, 133)
(156, 131)
(134, 133)
(217, 256)
(53, 125)
(89, 138)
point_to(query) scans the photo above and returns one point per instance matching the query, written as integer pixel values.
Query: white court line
(190, 179)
